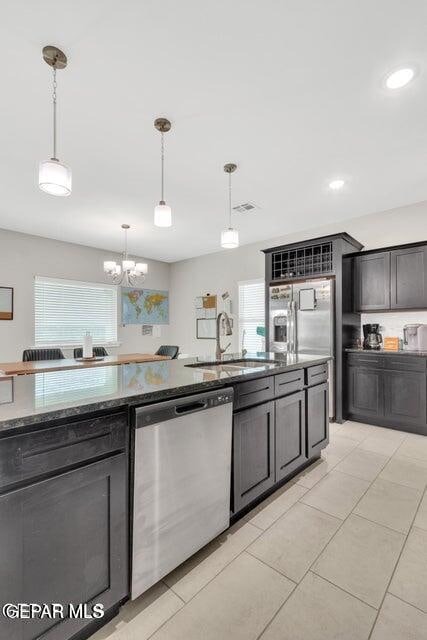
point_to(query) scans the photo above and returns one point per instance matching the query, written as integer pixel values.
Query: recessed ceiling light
(335, 185)
(399, 78)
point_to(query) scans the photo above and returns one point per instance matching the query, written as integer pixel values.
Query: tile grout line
(318, 556)
(371, 606)
(329, 542)
(262, 531)
(414, 606)
(396, 564)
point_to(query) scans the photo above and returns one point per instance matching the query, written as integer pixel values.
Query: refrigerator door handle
(289, 328)
(294, 326)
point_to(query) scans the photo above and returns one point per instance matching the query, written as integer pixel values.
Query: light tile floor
(339, 553)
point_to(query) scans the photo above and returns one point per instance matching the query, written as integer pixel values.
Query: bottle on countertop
(87, 346)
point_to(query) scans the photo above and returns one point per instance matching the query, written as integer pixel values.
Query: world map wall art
(145, 306)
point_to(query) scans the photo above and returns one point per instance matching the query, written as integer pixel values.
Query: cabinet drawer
(365, 361)
(288, 382)
(253, 392)
(405, 363)
(317, 374)
(29, 455)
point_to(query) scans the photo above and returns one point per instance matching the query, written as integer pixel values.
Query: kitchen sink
(234, 365)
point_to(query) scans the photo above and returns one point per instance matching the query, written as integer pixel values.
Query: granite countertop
(400, 352)
(33, 399)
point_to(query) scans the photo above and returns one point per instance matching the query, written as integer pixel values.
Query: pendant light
(230, 236)
(128, 273)
(162, 211)
(54, 177)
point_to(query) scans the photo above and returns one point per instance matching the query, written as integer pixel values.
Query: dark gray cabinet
(394, 279)
(64, 522)
(387, 390)
(253, 453)
(405, 397)
(372, 281)
(409, 278)
(290, 434)
(365, 391)
(273, 440)
(317, 419)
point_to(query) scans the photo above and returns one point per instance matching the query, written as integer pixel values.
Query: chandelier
(128, 273)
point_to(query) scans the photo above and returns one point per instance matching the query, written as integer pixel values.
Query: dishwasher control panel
(154, 413)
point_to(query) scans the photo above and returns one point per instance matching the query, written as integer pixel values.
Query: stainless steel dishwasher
(182, 481)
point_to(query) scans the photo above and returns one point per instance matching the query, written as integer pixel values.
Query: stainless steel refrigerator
(301, 320)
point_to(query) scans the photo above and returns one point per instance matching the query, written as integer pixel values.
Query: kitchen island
(66, 459)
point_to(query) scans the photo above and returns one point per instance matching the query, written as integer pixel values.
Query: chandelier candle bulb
(141, 267)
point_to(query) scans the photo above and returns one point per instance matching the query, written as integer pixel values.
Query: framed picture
(6, 303)
(206, 328)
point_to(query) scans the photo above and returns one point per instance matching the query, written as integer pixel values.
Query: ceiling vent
(245, 207)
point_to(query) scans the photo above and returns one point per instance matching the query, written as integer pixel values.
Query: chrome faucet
(228, 332)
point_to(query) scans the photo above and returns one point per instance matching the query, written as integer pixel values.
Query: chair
(32, 355)
(168, 350)
(98, 352)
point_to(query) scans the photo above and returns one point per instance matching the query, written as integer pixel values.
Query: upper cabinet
(372, 281)
(395, 279)
(409, 278)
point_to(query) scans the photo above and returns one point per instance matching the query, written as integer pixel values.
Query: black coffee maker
(372, 339)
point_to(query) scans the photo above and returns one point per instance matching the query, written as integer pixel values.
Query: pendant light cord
(126, 244)
(54, 112)
(163, 165)
(229, 199)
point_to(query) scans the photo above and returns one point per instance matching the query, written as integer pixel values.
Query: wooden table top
(41, 366)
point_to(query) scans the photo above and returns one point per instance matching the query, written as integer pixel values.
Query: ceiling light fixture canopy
(337, 184)
(399, 78)
(229, 236)
(128, 272)
(54, 176)
(162, 211)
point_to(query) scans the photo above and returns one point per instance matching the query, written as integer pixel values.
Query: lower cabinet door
(317, 419)
(365, 391)
(65, 540)
(290, 434)
(253, 454)
(405, 399)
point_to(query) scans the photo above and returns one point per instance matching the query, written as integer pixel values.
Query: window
(64, 310)
(75, 385)
(252, 314)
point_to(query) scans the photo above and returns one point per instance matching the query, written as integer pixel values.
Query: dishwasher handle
(162, 411)
(190, 407)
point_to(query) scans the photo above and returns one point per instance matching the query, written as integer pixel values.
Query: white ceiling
(290, 90)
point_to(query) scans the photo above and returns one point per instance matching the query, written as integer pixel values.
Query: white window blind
(251, 314)
(75, 385)
(64, 310)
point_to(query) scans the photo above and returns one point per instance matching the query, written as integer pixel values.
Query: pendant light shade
(162, 215)
(230, 236)
(162, 211)
(54, 176)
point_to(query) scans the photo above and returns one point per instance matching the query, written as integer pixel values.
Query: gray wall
(219, 272)
(22, 257)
